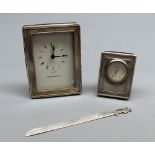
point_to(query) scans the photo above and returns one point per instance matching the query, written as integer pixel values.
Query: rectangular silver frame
(103, 90)
(30, 30)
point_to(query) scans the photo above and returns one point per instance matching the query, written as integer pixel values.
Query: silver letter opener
(76, 121)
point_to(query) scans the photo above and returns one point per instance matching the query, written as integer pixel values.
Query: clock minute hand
(53, 48)
(114, 73)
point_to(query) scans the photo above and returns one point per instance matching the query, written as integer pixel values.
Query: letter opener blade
(76, 121)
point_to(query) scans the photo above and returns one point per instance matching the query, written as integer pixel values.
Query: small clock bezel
(28, 32)
(115, 61)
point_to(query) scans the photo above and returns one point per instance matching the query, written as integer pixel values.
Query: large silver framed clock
(116, 74)
(53, 59)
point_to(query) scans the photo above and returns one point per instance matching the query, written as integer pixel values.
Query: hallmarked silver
(76, 121)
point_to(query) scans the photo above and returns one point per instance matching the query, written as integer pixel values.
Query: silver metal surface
(116, 89)
(31, 30)
(76, 121)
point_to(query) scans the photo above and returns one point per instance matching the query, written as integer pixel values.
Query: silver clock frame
(28, 32)
(120, 90)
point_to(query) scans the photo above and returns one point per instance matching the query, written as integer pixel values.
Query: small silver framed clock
(116, 74)
(53, 59)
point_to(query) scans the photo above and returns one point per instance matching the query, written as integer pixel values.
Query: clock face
(117, 71)
(53, 59)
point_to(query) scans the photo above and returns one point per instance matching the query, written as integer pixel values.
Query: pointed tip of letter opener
(31, 132)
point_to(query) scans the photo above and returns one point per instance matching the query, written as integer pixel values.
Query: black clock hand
(115, 73)
(61, 55)
(53, 48)
(64, 55)
(57, 56)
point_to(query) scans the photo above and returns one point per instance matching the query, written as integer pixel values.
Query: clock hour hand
(64, 55)
(61, 55)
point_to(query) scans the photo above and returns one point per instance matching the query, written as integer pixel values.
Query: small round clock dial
(116, 71)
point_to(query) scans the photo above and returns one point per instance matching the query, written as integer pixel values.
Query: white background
(99, 32)
(138, 6)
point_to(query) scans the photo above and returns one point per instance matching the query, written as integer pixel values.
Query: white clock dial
(53, 57)
(116, 71)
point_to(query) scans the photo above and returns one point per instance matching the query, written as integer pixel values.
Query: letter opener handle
(76, 121)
